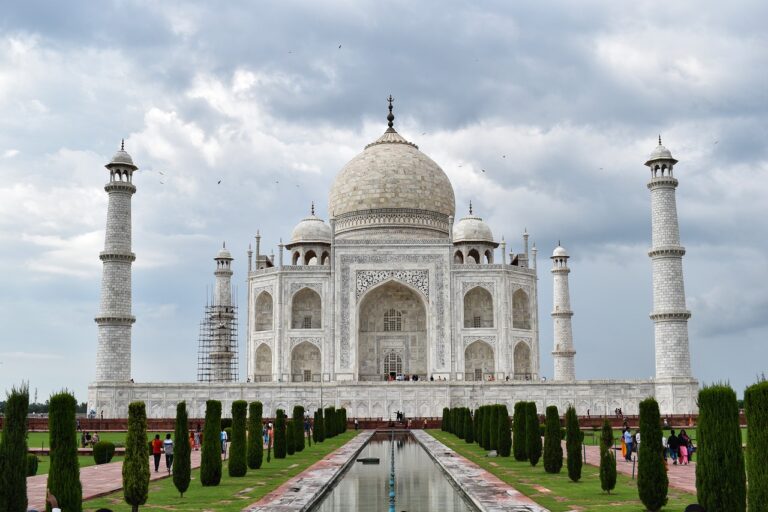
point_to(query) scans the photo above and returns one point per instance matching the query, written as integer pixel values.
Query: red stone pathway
(680, 477)
(97, 480)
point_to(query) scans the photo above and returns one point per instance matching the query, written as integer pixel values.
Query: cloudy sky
(559, 102)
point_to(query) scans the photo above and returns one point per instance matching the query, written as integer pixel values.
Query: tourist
(157, 450)
(78, 424)
(191, 440)
(52, 501)
(224, 439)
(628, 442)
(168, 449)
(357, 425)
(637, 441)
(197, 438)
(82, 440)
(664, 446)
(265, 434)
(685, 441)
(673, 444)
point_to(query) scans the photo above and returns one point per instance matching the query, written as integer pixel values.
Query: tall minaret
(563, 353)
(222, 320)
(670, 316)
(113, 355)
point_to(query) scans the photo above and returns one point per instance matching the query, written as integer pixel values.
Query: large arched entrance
(522, 356)
(305, 363)
(262, 371)
(392, 333)
(478, 361)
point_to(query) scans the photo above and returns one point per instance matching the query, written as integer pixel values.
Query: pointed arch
(458, 258)
(488, 257)
(473, 256)
(325, 259)
(310, 257)
(305, 363)
(264, 312)
(262, 370)
(521, 310)
(296, 258)
(306, 310)
(478, 360)
(522, 361)
(478, 308)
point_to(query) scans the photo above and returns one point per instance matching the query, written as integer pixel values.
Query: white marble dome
(224, 254)
(559, 252)
(472, 229)
(122, 158)
(391, 173)
(311, 229)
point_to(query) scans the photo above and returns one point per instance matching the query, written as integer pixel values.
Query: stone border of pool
(306, 489)
(486, 491)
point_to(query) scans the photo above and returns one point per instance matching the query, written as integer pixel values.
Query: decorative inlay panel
(316, 341)
(258, 289)
(468, 285)
(419, 279)
(318, 287)
(491, 340)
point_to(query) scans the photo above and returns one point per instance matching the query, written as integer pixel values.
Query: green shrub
(103, 451)
(210, 458)
(607, 459)
(226, 423)
(460, 420)
(756, 407)
(255, 440)
(519, 442)
(290, 437)
(553, 448)
(652, 481)
(504, 434)
(533, 438)
(64, 471)
(320, 426)
(182, 453)
(13, 452)
(228, 430)
(298, 424)
(493, 428)
(280, 435)
(476, 425)
(238, 465)
(573, 441)
(330, 421)
(469, 430)
(720, 474)
(444, 420)
(32, 464)
(135, 465)
(343, 419)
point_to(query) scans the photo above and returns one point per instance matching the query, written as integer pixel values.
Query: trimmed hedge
(330, 421)
(493, 428)
(756, 407)
(652, 480)
(720, 474)
(103, 451)
(32, 464)
(519, 442)
(573, 441)
(135, 466)
(182, 452)
(281, 441)
(469, 431)
(298, 424)
(210, 458)
(238, 464)
(64, 472)
(504, 433)
(13, 452)
(533, 438)
(553, 447)
(255, 440)
(444, 420)
(607, 459)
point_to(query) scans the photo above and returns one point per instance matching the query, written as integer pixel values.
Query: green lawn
(557, 492)
(83, 460)
(592, 437)
(40, 439)
(232, 494)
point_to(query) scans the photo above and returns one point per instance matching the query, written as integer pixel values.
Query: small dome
(559, 252)
(224, 254)
(660, 153)
(472, 229)
(311, 229)
(122, 157)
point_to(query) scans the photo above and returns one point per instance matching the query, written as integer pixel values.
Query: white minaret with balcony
(563, 353)
(670, 316)
(113, 354)
(222, 316)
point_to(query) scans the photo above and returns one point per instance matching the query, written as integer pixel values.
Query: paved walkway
(305, 489)
(97, 480)
(680, 477)
(484, 489)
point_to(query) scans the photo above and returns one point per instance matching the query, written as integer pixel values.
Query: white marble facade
(393, 286)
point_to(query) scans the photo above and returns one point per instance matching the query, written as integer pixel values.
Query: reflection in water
(420, 485)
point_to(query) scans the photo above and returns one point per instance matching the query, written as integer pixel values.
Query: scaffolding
(217, 353)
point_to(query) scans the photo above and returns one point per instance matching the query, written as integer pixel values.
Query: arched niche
(478, 360)
(306, 310)
(263, 312)
(522, 359)
(521, 310)
(478, 308)
(305, 363)
(262, 370)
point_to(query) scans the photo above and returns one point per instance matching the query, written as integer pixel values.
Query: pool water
(420, 484)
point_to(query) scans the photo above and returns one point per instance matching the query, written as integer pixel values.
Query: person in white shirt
(168, 450)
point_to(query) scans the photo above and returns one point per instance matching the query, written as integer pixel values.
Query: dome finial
(659, 139)
(391, 116)
(470, 207)
(312, 210)
(122, 144)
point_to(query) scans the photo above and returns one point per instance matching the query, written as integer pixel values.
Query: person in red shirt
(157, 450)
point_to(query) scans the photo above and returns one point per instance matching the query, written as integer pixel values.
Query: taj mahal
(398, 302)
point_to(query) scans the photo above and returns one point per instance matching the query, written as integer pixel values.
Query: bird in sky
(482, 170)
(219, 183)
(161, 172)
(717, 141)
(339, 46)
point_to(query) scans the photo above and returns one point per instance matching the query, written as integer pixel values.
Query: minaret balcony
(679, 315)
(120, 186)
(662, 182)
(115, 319)
(117, 256)
(667, 250)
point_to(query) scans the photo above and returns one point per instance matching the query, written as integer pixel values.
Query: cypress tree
(343, 419)
(573, 439)
(443, 422)
(608, 458)
(476, 425)
(290, 437)
(255, 440)
(720, 474)
(519, 442)
(298, 424)
(314, 427)
(469, 431)
(756, 405)
(280, 435)
(182, 464)
(210, 458)
(553, 448)
(652, 481)
(533, 435)
(136, 463)
(13, 452)
(238, 465)
(493, 428)
(480, 430)
(460, 419)
(505, 436)
(330, 421)
(64, 472)
(320, 426)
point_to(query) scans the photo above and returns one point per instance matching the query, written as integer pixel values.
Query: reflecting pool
(420, 484)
